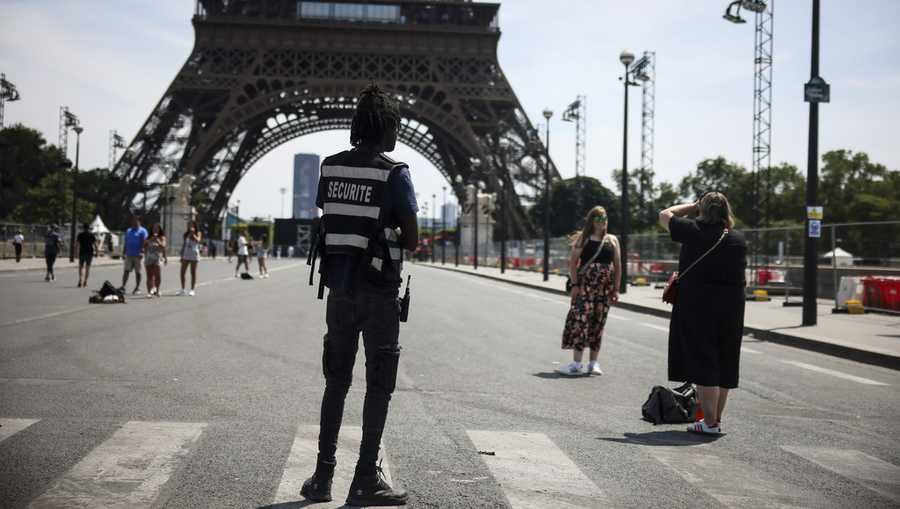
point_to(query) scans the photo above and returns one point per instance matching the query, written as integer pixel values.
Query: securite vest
(354, 199)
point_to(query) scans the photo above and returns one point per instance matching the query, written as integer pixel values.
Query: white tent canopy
(840, 256)
(97, 226)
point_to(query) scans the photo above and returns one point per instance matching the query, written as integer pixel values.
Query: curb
(772, 336)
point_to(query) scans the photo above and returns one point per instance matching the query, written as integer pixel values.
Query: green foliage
(565, 197)
(644, 207)
(50, 201)
(854, 189)
(25, 160)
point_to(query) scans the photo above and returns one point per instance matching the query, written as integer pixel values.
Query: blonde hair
(578, 238)
(714, 208)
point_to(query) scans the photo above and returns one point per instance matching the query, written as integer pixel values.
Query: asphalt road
(212, 401)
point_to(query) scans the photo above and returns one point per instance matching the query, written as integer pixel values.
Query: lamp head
(756, 6)
(548, 113)
(734, 17)
(78, 129)
(626, 57)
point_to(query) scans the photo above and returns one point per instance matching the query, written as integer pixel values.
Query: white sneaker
(571, 369)
(180, 292)
(593, 368)
(191, 293)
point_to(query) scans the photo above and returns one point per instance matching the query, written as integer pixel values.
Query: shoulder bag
(670, 293)
(583, 267)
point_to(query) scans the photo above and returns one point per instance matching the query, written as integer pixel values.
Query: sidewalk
(62, 262)
(870, 338)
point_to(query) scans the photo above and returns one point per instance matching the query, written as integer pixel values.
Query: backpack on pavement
(671, 406)
(107, 294)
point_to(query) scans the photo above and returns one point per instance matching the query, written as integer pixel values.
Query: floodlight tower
(115, 142)
(67, 119)
(577, 112)
(648, 123)
(8, 92)
(763, 44)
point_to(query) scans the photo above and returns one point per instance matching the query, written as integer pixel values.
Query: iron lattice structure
(67, 119)
(8, 93)
(263, 72)
(116, 141)
(648, 123)
(577, 112)
(763, 44)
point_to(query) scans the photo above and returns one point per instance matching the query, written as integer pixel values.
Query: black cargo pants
(376, 314)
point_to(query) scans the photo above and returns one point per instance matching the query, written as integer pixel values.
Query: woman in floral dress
(594, 268)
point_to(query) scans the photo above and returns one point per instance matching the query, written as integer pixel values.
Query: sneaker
(191, 293)
(180, 292)
(136, 291)
(571, 369)
(700, 427)
(373, 490)
(593, 368)
(317, 488)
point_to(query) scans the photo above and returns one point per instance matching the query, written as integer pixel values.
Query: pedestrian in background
(190, 255)
(155, 247)
(87, 248)
(52, 244)
(261, 256)
(243, 253)
(18, 241)
(135, 236)
(212, 249)
(594, 269)
(707, 321)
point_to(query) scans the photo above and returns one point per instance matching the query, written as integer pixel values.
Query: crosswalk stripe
(9, 427)
(126, 470)
(873, 473)
(301, 463)
(657, 327)
(715, 475)
(837, 374)
(533, 472)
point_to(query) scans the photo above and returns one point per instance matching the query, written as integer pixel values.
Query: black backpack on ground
(671, 406)
(246, 275)
(106, 290)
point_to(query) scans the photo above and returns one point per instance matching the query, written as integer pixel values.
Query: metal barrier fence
(856, 260)
(34, 234)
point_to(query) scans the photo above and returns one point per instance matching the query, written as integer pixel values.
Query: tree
(565, 197)
(25, 159)
(50, 201)
(854, 189)
(645, 207)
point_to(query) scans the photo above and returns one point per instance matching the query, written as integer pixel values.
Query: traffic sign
(817, 91)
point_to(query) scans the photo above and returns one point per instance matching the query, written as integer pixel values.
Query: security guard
(369, 214)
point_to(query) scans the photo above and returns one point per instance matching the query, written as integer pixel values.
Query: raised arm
(677, 211)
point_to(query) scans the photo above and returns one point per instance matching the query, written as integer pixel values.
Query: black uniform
(363, 195)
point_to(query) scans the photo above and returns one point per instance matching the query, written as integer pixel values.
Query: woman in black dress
(594, 269)
(708, 316)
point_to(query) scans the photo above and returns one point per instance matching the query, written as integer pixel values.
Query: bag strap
(724, 233)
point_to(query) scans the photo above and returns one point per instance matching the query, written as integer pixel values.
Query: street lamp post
(433, 217)
(547, 115)
(816, 91)
(78, 129)
(444, 227)
(626, 57)
(283, 192)
(504, 227)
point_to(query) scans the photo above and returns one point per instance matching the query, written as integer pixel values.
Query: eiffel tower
(263, 72)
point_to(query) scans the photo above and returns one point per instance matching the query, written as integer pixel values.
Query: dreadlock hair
(376, 114)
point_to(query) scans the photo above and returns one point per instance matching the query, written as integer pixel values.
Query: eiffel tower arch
(263, 72)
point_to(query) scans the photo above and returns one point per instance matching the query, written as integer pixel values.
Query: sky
(110, 62)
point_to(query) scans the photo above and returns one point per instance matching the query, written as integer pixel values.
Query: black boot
(373, 490)
(318, 487)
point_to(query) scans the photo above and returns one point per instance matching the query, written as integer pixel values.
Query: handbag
(581, 269)
(671, 406)
(670, 292)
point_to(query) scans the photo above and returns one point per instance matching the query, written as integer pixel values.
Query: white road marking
(533, 472)
(301, 463)
(9, 427)
(44, 316)
(617, 317)
(873, 473)
(715, 475)
(833, 373)
(744, 349)
(657, 327)
(126, 470)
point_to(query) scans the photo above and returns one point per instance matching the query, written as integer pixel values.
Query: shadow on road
(298, 504)
(662, 438)
(554, 375)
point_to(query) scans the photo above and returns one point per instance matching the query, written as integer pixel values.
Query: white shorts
(133, 263)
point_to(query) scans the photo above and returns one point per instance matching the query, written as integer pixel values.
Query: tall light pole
(548, 113)
(626, 57)
(283, 192)
(78, 129)
(444, 228)
(433, 217)
(815, 91)
(8, 93)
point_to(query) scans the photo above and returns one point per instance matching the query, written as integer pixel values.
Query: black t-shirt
(341, 271)
(86, 242)
(725, 265)
(607, 252)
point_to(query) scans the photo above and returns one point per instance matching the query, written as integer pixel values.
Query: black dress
(708, 317)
